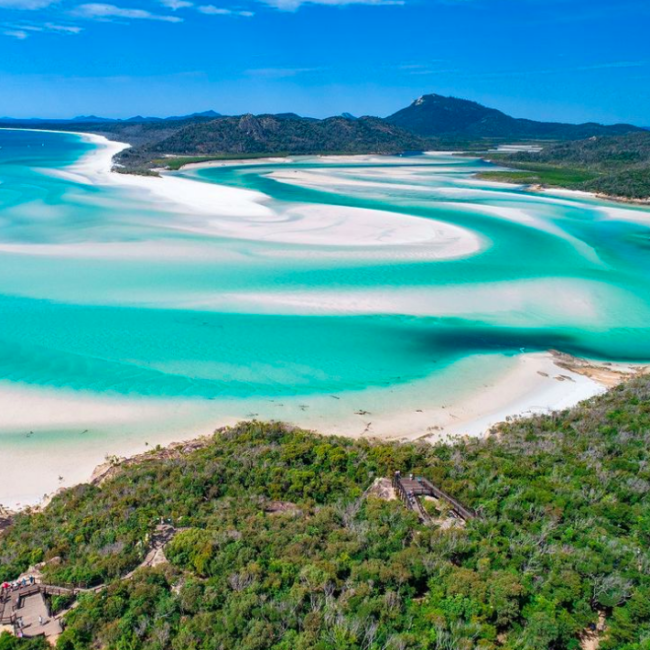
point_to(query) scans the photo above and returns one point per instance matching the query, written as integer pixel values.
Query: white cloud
(22, 30)
(20, 34)
(280, 73)
(64, 29)
(98, 11)
(219, 11)
(294, 5)
(25, 4)
(176, 4)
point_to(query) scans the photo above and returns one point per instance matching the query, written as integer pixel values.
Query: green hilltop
(258, 135)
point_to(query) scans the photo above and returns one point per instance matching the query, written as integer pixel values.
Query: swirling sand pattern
(314, 284)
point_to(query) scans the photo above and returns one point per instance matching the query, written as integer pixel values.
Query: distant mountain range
(94, 119)
(435, 116)
(430, 116)
(431, 122)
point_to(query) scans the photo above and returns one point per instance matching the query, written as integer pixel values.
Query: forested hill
(438, 116)
(279, 546)
(618, 166)
(289, 133)
(431, 122)
(279, 134)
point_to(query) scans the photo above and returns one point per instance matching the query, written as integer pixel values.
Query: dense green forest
(275, 135)
(280, 547)
(616, 165)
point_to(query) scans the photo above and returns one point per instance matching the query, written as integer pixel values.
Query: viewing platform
(411, 489)
(23, 609)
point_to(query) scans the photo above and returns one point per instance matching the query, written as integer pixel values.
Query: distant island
(616, 164)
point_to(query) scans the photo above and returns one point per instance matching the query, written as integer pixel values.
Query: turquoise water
(162, 315)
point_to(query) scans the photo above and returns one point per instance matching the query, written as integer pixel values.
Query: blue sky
(570, 60)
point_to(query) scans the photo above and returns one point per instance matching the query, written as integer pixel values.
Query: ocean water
(102, 293)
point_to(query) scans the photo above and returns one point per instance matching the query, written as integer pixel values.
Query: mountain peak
(423, 99)
(434, 115)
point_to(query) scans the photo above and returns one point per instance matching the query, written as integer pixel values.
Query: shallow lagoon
(335, 289)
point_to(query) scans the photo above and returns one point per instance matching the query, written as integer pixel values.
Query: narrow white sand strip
(248, 162)
(341, 226)
(638, 214)
(167, 192)
(530, 216)
(390, 179)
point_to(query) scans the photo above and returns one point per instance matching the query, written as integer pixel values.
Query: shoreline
(238, 213)
(588, 379)
(97, 429)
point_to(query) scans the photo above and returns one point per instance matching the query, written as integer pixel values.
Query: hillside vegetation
(277, 135)
(280, 549)
(618, 166)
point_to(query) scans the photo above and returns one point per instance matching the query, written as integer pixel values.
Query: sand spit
(221, 211)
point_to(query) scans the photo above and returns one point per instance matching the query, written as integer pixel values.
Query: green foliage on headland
(617, 166)
(541, 174)
(280, 548)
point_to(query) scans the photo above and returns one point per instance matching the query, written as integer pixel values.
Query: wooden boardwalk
(25, 609)
(410, 490)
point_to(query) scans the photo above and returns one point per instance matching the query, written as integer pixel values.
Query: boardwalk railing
(422, 487)
(410, 500)
(456, 506)
(399, 488)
